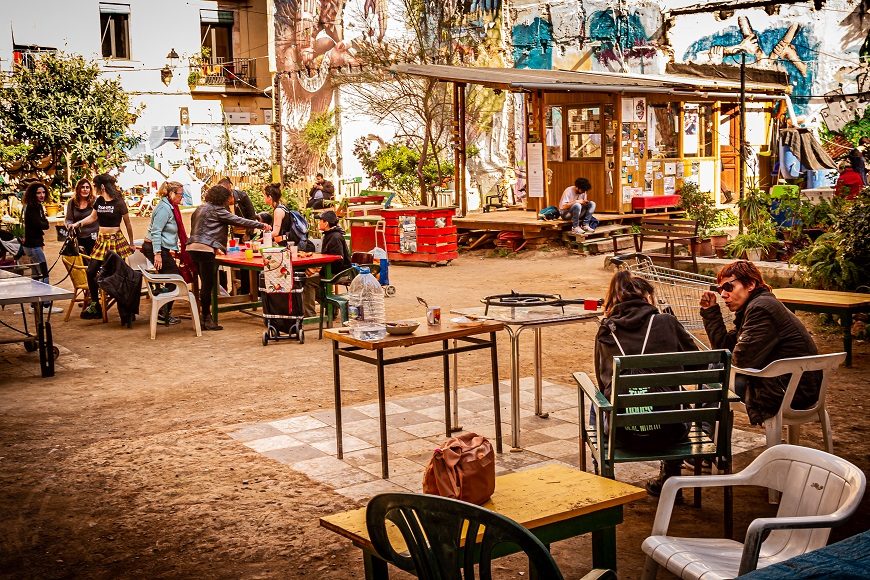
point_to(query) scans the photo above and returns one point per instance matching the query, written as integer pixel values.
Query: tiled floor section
(415, 426)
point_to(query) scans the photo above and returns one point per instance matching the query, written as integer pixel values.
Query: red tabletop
(238, 260)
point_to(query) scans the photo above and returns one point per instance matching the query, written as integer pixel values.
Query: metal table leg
(846, 320)
(336, 379)
(455, 423)
(382, 411)
(496, 387)
(515, 387)
(445, 359)
(44, 342)
(539, 382)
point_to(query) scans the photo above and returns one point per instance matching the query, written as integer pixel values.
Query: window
(115, 30)
(216, 33)
(662, 131)
(584, 133)
(697, 130)
(554, 134)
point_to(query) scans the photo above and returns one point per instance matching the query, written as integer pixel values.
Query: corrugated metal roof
(513, 78)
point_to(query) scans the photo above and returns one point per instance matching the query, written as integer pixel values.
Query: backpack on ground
(550, 213)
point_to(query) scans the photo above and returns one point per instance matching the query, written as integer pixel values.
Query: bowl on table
(402, 326)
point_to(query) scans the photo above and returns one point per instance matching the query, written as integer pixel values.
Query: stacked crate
(435, 234)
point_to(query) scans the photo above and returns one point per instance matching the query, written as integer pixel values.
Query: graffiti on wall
(620, 35)
(533, 44)
(848, 103)
(792, 47)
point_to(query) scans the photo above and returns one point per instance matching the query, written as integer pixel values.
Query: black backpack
(295, 227)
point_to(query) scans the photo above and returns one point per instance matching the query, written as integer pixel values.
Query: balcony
(238, 73)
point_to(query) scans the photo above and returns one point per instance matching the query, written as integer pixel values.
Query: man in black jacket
(332, 243)
(765, 331)
(322, 190)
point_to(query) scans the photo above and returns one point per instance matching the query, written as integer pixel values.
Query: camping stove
(530, 300)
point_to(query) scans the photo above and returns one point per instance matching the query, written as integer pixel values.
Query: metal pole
(276, 120)
(463, 200)
(456, 145)
(742, 159)
(455, 422)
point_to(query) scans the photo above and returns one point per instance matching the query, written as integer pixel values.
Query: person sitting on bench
(576, 206)
(322, 190)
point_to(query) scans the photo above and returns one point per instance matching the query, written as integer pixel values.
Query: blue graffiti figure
(618, 32)
(533, 44)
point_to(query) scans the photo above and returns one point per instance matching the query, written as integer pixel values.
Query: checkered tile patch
(415, 426)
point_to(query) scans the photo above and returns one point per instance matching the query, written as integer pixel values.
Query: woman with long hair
(35, 224)
(162, 239)
(633, 325)
(208, 228)
(109, 211)
(79, 207)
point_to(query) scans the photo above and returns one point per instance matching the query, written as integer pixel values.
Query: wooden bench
(633, 405)
(671, 233)
(591, 241)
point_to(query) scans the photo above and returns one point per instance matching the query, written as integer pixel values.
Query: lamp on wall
(166, 71)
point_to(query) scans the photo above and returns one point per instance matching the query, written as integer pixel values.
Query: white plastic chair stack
(819, 491)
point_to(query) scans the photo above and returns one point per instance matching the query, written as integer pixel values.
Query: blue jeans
(38, 257)
(579, 214)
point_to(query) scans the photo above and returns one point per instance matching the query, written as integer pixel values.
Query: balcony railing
(238, 72)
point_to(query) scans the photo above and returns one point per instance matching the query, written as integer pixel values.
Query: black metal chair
(434, 530)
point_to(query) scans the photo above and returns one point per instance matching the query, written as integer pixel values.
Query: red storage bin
(420, 234)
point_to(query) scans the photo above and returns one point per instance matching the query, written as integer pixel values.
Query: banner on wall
(535, 152)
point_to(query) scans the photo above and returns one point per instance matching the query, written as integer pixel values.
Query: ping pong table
(21, 290)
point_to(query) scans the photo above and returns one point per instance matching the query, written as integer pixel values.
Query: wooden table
(254, 266)
(437, 336)
(826, 301)
(567, 503)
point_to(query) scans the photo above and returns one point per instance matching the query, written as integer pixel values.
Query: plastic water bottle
(365, 304)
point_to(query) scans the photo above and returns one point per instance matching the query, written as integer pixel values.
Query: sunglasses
(726, 287)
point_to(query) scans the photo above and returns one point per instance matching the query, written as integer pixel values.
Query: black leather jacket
(209, 222)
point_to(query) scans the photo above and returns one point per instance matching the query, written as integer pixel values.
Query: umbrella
(192, 185)
(133, 173)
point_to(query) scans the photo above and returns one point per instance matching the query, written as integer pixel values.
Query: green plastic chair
(432, 528)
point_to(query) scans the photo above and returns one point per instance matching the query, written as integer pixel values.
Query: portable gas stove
(521, 310)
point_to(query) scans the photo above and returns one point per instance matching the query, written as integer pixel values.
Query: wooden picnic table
(435, 336)
(555, 502)
(254, 266)
(844, 304)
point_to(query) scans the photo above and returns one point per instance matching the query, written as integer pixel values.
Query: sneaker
(92, 312)
(586, 228)
(168, 321)
(706, 465)
(209, 324)
(578, 231)
(46, 307)
(654, 488)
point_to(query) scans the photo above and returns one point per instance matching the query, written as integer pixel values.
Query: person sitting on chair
(633, 325)
(764, 331)
(576, 206)
(332, 243)
(322, 190)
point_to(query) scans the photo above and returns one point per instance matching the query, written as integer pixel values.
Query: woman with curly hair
(208, 227)
(163, 238)
(79, 207)
(109, 211)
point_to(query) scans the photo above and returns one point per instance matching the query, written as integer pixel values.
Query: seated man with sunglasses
(764, 331)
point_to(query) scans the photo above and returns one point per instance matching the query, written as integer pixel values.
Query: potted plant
(52, 204)
(699, 206)
(198, 63)
(758, 241)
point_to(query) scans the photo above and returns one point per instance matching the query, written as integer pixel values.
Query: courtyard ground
(123, 466)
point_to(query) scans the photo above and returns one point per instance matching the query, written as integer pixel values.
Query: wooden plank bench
(671, 233)
(590, 242)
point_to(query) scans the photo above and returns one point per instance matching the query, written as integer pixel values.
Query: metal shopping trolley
(281, 289)
(379, 253)
(677, 292)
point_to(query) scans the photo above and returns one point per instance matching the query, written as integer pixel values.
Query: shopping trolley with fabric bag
(281, 293)
(379, 255)
(677, 292)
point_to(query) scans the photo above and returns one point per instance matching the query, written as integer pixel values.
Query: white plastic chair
(819, 491)
(182, 292)
(788, 416)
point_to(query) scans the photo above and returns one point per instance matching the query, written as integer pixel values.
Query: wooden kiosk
(632, 136)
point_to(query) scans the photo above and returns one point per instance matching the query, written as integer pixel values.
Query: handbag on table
(462, 468)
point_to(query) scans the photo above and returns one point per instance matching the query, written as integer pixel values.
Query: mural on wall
(847, 105)
(533, 44)
(792, 47)
(620, 35)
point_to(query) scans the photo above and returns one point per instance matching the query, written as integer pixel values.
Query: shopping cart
(379, 254)
(281, 290)
(677, 292)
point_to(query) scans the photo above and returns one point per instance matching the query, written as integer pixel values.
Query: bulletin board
(633, 149)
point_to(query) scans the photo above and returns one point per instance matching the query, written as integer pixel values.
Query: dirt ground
(121, 466)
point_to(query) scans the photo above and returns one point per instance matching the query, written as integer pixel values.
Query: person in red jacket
(849, 184)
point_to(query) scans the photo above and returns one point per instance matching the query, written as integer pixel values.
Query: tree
(60, 117)
(443, 33)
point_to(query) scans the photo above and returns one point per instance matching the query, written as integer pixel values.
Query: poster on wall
(626, 194)
(408, 234)
(535, 152)
(670, 184)
(690, 129)
(707, 176)
(634, 110)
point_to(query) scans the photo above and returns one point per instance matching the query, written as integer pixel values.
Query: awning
(207, 16)
(563, 81)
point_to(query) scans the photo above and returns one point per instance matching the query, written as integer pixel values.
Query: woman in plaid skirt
(109, 210)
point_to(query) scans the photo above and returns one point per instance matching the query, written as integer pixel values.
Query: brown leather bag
(462, 468)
